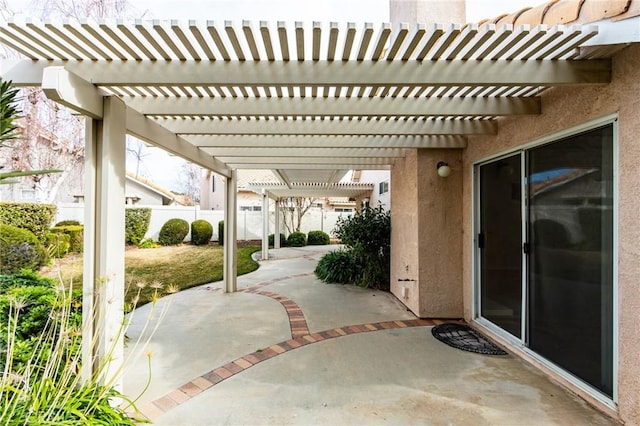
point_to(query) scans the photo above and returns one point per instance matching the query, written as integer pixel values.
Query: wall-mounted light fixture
(443, 169)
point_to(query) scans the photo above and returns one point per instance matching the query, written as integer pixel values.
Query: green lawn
(151, 273)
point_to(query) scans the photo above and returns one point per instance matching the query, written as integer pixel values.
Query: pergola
(307, 101)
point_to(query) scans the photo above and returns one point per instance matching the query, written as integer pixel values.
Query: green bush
(201, 232)
(37, 218)
(283, 240)
(24, 278)
(147, 243)
(136, 224)
(19, 249)
(367, 237)
(297, 239)
(76, 236)
(221, 232)
(340, 266)
(68, 222)
(57, 244)
(173, 232)
(318, 238)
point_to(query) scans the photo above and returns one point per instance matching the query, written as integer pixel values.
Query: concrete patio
(288, 349)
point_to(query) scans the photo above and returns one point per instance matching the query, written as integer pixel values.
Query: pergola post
(276, 231)
(103, 282)
(230, 234)
(265, 225)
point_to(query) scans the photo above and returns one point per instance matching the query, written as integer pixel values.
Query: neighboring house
(381, 195)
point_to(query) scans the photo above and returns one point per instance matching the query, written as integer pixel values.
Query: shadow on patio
(288, 349)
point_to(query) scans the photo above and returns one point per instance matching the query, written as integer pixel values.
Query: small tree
(293, 210)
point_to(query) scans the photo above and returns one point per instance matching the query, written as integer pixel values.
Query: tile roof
(569, 12)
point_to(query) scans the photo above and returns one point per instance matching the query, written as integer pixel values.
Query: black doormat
(463, 337)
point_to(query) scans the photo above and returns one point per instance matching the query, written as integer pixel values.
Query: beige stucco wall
(563, 108)
(426, 225)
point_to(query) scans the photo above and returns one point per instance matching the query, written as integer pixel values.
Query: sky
(161, 168)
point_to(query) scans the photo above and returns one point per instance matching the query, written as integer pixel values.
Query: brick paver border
(300, 336)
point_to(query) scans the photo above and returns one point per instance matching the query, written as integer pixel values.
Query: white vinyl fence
(249, 222)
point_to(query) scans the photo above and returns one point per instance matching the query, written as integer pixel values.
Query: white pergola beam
(141, 127)
(321, 73)
(332, 107)
(421, 126)
(328, 162)
(309, 166)
(294, 153)
(69, 90)
(320, 141)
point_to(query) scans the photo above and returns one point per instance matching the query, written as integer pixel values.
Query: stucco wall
(426, 234)
(563, 108)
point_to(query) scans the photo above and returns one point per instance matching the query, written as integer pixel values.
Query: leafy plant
(318, 238)
(57, 244)
(147, 243)
(340, 266)
(367, 237)
(68, 222)
(201, 232)
(19, 249)
(173, 232)
(136, 224)
(76, 236)
(40, 382)
(297, 239)
(283, 240)
(221, 233)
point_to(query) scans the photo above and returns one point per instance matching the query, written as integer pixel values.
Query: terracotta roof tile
(569, 12)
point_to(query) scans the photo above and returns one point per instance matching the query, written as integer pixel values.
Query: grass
(157, 271)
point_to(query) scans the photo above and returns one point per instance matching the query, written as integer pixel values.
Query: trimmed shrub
(221, 233)
(57, 244)
(19, 249)
(68, 222)
(37, 218)
(201, 232)
(297, 239)
(283, 240)
(76, 236)
(24, 278)
(340, 266)
(173, 232)
(317, 238)
(136, 224)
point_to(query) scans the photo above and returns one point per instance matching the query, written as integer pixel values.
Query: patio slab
(359, 357)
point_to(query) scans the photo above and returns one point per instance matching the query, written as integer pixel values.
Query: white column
(265, 226)
(230, 266)
(276, 231)
(103, 283)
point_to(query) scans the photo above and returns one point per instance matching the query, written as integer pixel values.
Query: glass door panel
(500, 243)
(570, 229)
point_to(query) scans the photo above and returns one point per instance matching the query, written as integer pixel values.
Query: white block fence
(249, 222)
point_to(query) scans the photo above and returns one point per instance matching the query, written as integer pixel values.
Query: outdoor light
(443, 169)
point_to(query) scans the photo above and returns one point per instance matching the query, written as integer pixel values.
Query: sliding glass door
(500, 243)
(566, 216)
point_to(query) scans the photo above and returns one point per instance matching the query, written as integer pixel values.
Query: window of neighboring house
(213, 184)
(257, 208)
(245, 208)
(250, 208)
(383, 187)
(343, 210)
(28, 195)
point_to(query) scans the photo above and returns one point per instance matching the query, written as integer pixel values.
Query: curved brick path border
(300, 337)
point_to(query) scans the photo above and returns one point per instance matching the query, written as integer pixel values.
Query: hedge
(57, 244)
(37, 218)
(297, 239)
(76, 236)
(173, 232)
(136, 224)
(318, 238)
(201, 232)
